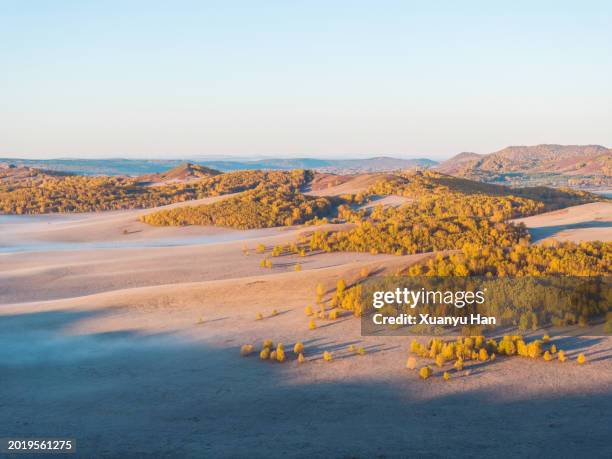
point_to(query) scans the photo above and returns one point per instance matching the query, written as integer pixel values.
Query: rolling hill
(584, 166)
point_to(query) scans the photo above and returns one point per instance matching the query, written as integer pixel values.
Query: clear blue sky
(288, 78)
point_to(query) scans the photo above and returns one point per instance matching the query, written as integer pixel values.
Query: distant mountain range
(571, 165)
(579, 166)
(135, 167)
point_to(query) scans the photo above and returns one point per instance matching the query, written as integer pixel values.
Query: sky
(149, 79)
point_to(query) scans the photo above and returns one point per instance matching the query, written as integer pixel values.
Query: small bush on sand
(273, 355)
(280, 353)
(320, 292)
(267, 343)
(446, 376)
(547, 356)
(361, 351)
(553, 349)
(333, 315)
(265, 353)
(364, 272)
(301, 358)
(298, 267)
(312, 325)
(458, 365)
(327, 356)
(581, 358)
(262, 263)
(308, 310)
(534, 349)
(352, 348)
(274, 312)
(269, 264)
(440, 360)
(561, 356)
(259, 316)
(425, 372)
(411, 363)
(482, 354)
(298, 348)
(246, 349)
(260, 248)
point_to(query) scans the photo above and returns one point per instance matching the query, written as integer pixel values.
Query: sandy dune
(588, 222)
(134, 352)
(349, 185)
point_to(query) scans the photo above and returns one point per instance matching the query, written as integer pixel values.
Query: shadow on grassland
(126, 394)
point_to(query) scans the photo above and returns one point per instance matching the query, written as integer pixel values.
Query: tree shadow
(126, 393)
(543, 232)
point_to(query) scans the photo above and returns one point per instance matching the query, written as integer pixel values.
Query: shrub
(561, 356)
(260, 248)
(440, 360)
(493, 357)
(361, 351)
(415, 347)
(333, 315)
(300, 358)
(268, 343)
(352, 348)
(298, 348)
(246, 349)
(547, 356)
(546, 338)
(425, 372)
(534, 349)
(581, 358)
(446, 376)
(280, 353)
(340, 287)
(265, 353)
(320, 291)
(274, 312)
(458, 365)
(553, 349)
(482, 354)
(269, 264)
(312, 325)
(327, 356)
(364, 272)
(308, 310)
(262, 263)
(273, 355)
(259, 316)
(411, 363)
(298, 267)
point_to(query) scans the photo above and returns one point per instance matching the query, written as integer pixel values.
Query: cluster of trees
(406, 230)
(478, 348)
(555, 258)
(506, 202)
(41, 192)
(263, 207)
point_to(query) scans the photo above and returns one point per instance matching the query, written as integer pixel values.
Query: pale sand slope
(587, 222)
(387, 201)
(356, 184)
(116, 358)
(123, 225)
